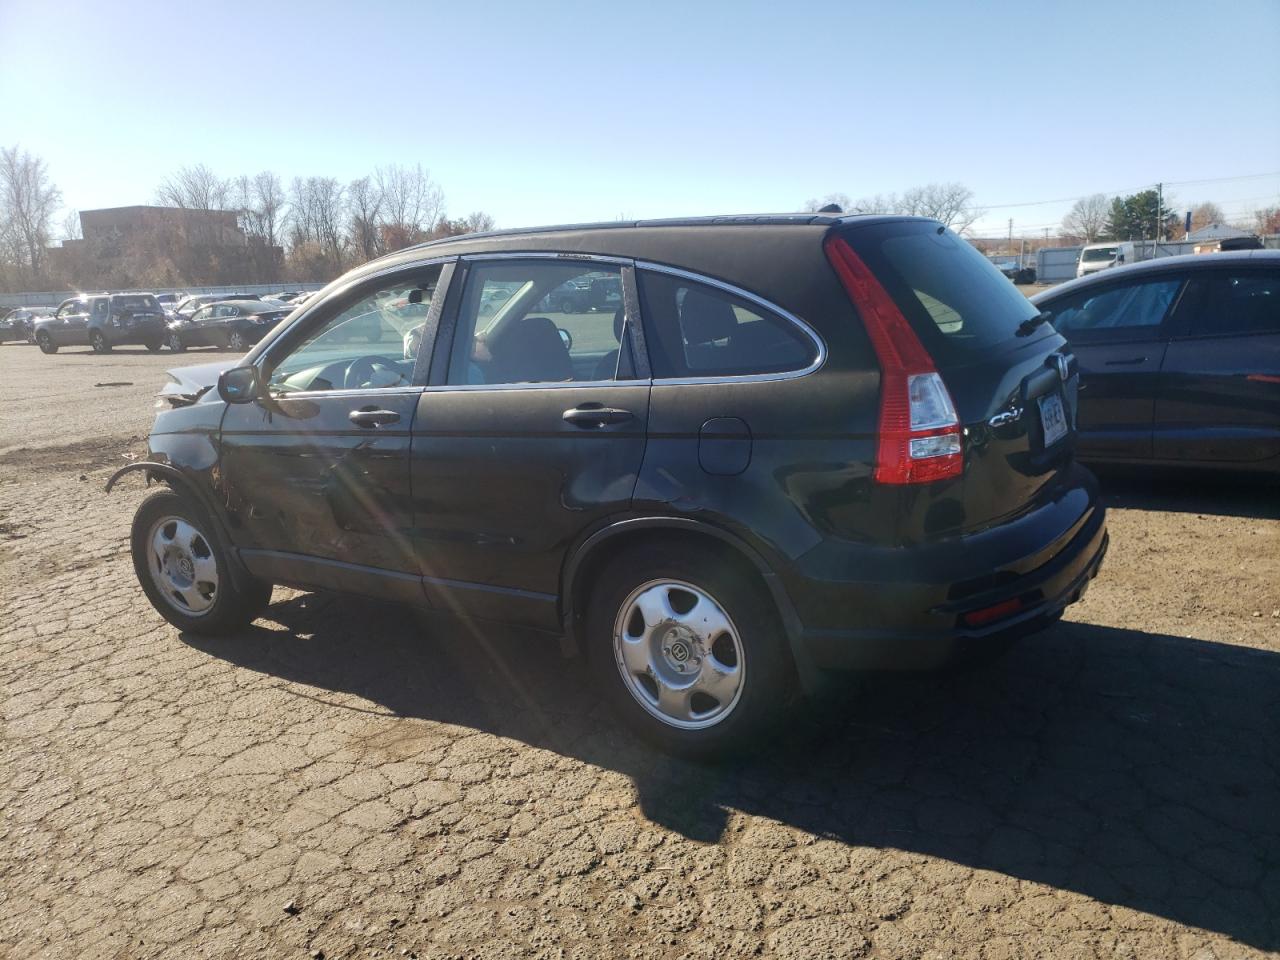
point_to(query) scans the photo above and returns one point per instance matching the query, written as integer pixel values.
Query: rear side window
(697, 330)
(956, 300)
(1115, 310)
(1231, 304)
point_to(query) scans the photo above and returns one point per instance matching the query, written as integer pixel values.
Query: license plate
(1053, 419)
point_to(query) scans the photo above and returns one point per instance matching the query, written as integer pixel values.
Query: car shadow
(1249, 495)
(1134, 768)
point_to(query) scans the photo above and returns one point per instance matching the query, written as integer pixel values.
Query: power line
(1172, 183)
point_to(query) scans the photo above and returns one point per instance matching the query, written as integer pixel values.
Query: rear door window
(956, 300)
(697, 330)
(1235, 303)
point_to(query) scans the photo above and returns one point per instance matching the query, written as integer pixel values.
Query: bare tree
(316, 205)
(259, 203)
(1204, 214)
(412, 203)
(1267, 221)
(951, 204)
(364, 201)
(71, 229)
(840, 200)
(27, 205)
(478, 222)
(194, 188)
(1088, 218)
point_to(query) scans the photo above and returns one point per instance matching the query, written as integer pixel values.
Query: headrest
(705, 318)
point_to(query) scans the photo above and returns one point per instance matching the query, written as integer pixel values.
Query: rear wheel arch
(595, 553)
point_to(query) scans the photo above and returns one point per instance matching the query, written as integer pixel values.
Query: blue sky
(553, 112)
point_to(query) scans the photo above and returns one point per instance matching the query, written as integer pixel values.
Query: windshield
(1098, 254)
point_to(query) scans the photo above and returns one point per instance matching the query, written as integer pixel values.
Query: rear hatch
(1013, 382)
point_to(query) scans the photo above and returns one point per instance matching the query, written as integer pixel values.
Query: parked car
(584, 294)
(189, 305)
(1102, 256)
(286, 296)
(20, 323)
(234, 324)
(102, 322)
(1179, 359)
(803, 442)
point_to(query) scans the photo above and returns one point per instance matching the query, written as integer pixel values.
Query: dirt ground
(348, 779)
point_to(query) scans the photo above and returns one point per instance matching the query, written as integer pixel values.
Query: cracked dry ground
(420, 786)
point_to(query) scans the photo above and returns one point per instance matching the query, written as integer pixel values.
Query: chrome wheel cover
(180, 561)
(679, 654)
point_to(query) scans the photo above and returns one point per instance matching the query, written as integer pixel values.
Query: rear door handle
(373, 418)
(1131, 361)
(594, 415)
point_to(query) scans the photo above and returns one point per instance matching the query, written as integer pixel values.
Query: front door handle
(594, 415)
(1131, 361)
(373, 417)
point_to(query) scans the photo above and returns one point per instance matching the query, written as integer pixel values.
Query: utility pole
(1159, 218)
(1010, 248)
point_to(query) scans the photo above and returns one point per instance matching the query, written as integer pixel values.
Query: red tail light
(919, 432)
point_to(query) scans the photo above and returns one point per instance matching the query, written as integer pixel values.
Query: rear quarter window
(698, 330)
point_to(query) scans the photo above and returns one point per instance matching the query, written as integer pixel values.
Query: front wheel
(688, 649)
(237, 341)
(185, 571)
(46, 343)
(98, 342)
(176, 344)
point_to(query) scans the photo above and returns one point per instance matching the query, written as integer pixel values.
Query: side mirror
(565, 337)
(239, 385)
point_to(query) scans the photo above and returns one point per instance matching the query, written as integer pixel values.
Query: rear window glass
(137, 303)
(1243, 302)
(958, 303)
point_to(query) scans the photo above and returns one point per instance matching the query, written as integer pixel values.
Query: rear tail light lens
(919, 432)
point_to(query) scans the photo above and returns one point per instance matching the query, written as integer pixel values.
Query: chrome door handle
(594, 415)
(373, 418)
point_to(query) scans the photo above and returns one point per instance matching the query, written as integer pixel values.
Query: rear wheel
(687, 649)
(236, 341)
(186, 572)
(98, 342)
(155, 345)
(46, 342)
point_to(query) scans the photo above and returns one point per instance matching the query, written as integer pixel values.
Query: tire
(186, 571)
(46, 343)
(176, 344)
(98, 342)
(236, 341)
(154, 345)
(718, 711)
(566, 306)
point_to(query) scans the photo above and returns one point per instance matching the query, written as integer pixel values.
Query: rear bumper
(915, 623)
(145, 331)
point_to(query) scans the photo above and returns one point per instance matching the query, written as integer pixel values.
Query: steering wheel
(361, 370)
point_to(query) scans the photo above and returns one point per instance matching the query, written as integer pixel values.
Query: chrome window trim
(534, 385)
(819, 359)
(345, 392)
(566, 255)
